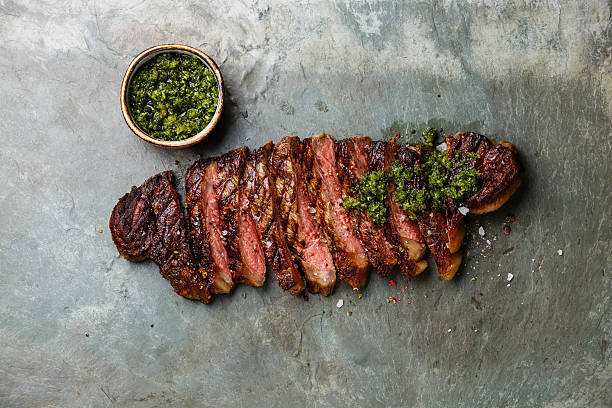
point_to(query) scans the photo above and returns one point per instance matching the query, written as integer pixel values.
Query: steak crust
(148, 223)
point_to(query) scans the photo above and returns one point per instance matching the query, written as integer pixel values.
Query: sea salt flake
(464, 210)
(224, 232)
(268, 244)
(508, 285)
(510, 276)
(312, 210)
(449, 330)
(481, 231)
(340, 303)
(560, 252)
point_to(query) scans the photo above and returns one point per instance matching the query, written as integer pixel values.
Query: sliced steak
(325, 192)
(297, 214)
(259, 204)
(402, 232)
(433, 226)
(212, 212)
(352, 165)
(500, 170)
(148, 223)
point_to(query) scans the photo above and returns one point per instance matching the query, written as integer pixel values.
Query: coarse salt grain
(510, 276)
(312, 210)
(560, 252)
(449, 330)
(340, 303)
(224, 232)
(464, 210)
(481, 231)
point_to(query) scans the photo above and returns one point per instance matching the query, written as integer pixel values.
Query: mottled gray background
(537, 73)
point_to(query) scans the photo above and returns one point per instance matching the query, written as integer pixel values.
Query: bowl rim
(133, 67)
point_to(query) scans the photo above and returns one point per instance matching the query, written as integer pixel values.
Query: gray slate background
(534, 73)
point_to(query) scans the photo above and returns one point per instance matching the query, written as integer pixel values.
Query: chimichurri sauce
(173, 96)
(445, 178)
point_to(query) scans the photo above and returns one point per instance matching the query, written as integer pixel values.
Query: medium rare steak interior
(325, 191)
(304, 235)
(303, 209)
(260, 201)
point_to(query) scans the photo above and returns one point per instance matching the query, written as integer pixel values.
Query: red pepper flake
(394, 299)
(392, 282)
(409, 280)
(341, 253)
(192, 232)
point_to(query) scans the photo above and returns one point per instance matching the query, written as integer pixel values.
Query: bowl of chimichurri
(172, 95)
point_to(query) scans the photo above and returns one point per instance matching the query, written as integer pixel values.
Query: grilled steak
(324, 189)
(352, 165)
(402, 233)
(303, 233)
(283, 203)
(258, 202)
(212, 212)
(147, 223)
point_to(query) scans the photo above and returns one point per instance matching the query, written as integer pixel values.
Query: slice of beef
(148, 223)
(212, 212)
(352, 165)
(297, 214)
(500, 170)
(433, 225)
(259, 203)
(325, 192)
(402, 232)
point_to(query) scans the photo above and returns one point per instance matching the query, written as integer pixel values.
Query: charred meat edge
(259, 198)
(500, 170)
(304, 235)
(352, 165)
(325, 192)
(148, 223)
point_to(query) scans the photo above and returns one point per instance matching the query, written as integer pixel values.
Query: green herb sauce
(445, 178)
(173, 96)
(369, 196)
(411, 200)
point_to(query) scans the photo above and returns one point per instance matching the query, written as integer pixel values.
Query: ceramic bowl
(145, 56)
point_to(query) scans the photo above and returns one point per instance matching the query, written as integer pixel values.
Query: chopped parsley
(173, 96)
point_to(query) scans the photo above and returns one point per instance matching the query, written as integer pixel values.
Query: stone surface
(534, 73)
